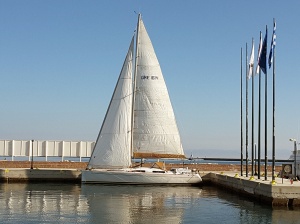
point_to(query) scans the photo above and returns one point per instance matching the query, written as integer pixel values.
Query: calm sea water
(70, 203)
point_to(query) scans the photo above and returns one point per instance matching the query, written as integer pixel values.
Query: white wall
(20, 148)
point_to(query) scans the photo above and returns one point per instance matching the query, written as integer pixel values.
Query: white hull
(129, 176)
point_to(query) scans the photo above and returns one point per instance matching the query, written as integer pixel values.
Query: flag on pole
(263, 56)
(251, 61)
(258, 53)
(273, 43)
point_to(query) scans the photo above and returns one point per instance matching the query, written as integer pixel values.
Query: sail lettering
(149, 77)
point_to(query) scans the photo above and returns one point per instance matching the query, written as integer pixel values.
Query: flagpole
(258, 70)
(266, 119)
(259, 123)
(252, 134)
(242, 156)
(246, 113)
(273, 139)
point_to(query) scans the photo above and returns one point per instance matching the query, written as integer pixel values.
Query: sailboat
(139, 123)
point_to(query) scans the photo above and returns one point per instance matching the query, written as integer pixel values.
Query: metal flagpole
(252, 134)
(266, 119)
(246, 113)
(259, 124)
(242, 156)
(273, 139)
(259, 106)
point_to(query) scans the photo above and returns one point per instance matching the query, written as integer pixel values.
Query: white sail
(112, 148)
(155, 132)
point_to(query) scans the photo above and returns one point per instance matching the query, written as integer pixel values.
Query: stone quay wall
(82, 165)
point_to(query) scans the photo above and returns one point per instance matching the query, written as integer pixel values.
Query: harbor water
(71, 203)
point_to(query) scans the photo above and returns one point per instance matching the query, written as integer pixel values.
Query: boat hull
(125, 177)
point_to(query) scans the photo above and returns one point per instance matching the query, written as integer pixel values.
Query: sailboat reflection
(131, 204)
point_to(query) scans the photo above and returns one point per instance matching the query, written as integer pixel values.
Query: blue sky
(59, 62)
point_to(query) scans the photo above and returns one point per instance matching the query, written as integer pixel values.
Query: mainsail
(112, 148)
(155, 132)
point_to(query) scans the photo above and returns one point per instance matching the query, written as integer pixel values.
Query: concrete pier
(282, 192)
(40, 175)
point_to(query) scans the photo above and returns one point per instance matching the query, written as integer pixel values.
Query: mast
(134, 81)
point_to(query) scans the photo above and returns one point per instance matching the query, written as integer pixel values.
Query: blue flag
(263, 56)
(273, 43)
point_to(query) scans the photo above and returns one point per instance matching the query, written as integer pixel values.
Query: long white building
(15, 149)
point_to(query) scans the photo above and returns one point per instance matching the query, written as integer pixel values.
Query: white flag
(251, 61)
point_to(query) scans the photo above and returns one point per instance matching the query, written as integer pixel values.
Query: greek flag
(273, 43)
